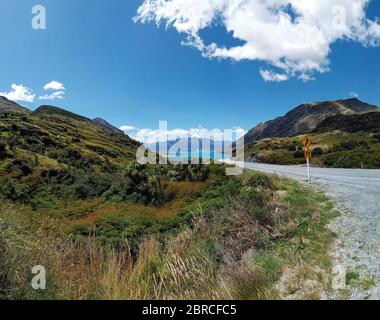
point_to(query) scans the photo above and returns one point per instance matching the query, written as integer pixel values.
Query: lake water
(199, 155)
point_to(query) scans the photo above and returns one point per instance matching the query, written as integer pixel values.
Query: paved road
(357, 191)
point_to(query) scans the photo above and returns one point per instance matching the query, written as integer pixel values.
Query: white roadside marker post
(308, 155)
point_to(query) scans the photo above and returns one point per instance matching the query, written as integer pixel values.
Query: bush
(299, 154)
(19, 165)
(190, 172)
(317, 152)
(358, 158)
(90, 186)
(258, 180)
(8, 191)
(75, 158)
(349, 145)
(3, 150)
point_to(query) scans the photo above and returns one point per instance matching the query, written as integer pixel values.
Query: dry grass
(231, 253)
(178, 269)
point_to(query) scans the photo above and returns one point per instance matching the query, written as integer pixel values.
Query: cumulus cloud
(127, 128)
(19, 93)
(52, 96)
(58, 91)
(293, 36)
(149, 136)
(273, 76)
(54, 85)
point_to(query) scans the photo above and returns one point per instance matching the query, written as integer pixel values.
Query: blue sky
(137, 74)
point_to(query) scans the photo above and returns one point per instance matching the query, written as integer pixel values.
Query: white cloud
(19, 93)
(57, 87)
(273, 76)
(127, 128)
(293, 36)
(52, 96)
(54, 85)
(354, 94)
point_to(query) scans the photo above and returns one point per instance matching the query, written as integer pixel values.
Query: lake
(199, 155)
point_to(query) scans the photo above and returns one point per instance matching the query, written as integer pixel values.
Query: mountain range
(330, 123)
(307, 117)
(8, 106)
(344, 134)
(192, 144)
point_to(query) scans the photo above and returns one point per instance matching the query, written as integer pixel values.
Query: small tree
(3, 150)
(154, 180)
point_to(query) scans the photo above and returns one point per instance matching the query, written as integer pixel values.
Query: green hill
(305, 118)
(345, 134)
(366, 122)
(51, 154)
(7, 106)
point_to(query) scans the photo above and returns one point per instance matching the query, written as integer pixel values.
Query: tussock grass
(239, 248)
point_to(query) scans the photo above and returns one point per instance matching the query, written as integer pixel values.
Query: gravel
(357, 249)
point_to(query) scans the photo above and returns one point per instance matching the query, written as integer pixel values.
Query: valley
(72, 194)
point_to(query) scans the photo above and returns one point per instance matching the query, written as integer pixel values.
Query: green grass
(107, 228)
(251, 237)
(351, 277)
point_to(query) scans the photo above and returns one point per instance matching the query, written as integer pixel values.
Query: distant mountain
(189, 145)
(8, 106)
(367, 122)
(306, 118)
(103, 124)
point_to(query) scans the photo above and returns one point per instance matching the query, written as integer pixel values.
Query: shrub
(57, 176)
(19, 165)
(358, 158)
(349, 145)
(258, 180)
(90, 185)
(8, 191)
(3, 150)
(317, 152)
(299, 154)
(75, 158)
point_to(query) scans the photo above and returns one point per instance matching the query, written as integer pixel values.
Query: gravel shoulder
(357, 249)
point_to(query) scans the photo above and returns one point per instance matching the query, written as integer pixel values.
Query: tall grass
(223, 254)
(185, 267)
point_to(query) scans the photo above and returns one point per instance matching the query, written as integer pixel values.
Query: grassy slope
(252, 237)
(39, 134)
(57, 144)
(222, 238)
(334, 153)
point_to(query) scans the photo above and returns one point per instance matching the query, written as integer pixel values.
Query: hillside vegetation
(105, 227)
(345, 134)
(252, 237)
(336, 149)
(305, 118)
